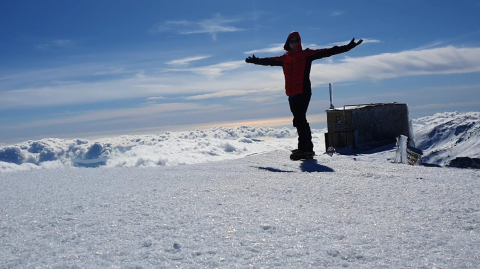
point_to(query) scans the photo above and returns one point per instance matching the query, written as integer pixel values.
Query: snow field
(261, 211)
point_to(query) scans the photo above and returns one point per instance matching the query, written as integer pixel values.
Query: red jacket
(297, 64)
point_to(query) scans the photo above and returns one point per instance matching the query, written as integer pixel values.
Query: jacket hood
(293, 34)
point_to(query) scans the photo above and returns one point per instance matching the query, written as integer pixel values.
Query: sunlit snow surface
(231, 198)
(261, 211)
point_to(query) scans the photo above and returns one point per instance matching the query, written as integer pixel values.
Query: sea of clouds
(442, 137)
(167, 149)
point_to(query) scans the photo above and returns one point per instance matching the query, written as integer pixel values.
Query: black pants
(298, 106)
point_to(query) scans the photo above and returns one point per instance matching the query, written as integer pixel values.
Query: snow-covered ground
(231, 198)
(261, 211)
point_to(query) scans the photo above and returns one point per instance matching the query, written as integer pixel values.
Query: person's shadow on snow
(313, 166)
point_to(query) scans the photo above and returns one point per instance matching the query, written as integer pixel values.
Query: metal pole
(330, 87)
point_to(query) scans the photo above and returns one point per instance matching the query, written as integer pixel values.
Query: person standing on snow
(296, 64)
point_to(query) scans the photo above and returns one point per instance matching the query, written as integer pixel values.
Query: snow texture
(260, 211)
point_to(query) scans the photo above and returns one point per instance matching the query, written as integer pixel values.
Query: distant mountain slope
(444, 137)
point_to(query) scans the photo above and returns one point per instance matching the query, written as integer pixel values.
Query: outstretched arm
(272, 61)
(322, 53)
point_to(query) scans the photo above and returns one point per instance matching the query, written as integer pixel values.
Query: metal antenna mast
(331, 89)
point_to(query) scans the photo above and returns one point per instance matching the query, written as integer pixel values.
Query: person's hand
(251, 60)
(353, 44)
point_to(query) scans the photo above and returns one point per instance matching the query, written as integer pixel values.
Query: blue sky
(101, 68)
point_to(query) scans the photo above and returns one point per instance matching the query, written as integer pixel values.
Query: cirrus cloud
(187, 60)
(231, 77)
(438, 61)
(213, 26)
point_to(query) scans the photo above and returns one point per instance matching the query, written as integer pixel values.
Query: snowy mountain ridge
(446, 136)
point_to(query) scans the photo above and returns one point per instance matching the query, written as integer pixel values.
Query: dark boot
(301, 155)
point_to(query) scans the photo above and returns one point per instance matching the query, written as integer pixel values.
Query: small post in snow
(401, 156)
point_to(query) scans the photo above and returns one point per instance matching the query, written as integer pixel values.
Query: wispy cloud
(156, 98)
(264, 94)
(221, 94)
(112, 71)
(365, 41)
(431, 45)
(456, 88)
(99, 115)
(233, 78)
(188, 60)
(60, 82)
(217, 24)
(446, 60)
(55, 43)
(336, 13)
(445, 106)
(81, 93)
(274, 48)
(239, 84)
(210, 71)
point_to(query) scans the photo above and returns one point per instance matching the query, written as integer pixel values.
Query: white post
(401, 156)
